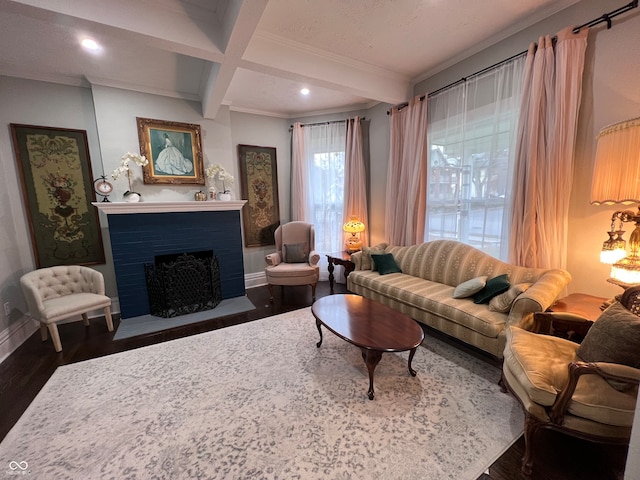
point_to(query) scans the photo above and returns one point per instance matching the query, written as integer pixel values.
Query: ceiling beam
(240, 22)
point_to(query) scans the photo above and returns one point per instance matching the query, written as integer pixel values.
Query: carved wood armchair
(560, 390)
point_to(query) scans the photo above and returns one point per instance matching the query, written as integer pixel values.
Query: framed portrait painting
(259, 183)
(174, 151)
(57, 187)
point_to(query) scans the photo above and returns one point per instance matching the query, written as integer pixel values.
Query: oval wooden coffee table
(369, 325)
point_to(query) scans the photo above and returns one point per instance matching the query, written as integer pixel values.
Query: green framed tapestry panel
(57, 187)
(259, 183)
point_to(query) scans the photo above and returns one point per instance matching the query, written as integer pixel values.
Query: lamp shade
(616, 174)
(353, 226)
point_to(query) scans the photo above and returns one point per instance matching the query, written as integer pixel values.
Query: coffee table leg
(411, 354)
(371, 358)
(320, 332)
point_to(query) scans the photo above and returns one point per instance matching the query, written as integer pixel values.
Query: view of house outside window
(472, 135)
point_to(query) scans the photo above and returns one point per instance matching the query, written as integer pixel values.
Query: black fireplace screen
(183, 283)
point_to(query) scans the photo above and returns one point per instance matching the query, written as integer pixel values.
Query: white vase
(132, 197)
(225, 197)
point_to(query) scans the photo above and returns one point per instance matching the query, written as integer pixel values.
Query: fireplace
(179, 284)
(141, 231)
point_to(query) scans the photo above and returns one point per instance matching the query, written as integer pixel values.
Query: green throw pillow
(296, 252)
(494, 286)
(385, 263)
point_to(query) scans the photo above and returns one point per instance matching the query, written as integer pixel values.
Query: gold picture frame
(174, 151)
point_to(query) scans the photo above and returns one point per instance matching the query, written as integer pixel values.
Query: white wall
(262, 131)
(610, 94)
(42, 104)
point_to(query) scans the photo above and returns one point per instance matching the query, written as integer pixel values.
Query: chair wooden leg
(271, 293)
(107, 316)
(531, 425)
(85, 319)
(55, 337)
(313, 292)
(43, 332)
(502, 383)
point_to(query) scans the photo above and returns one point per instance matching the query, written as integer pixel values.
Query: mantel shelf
(114, 208)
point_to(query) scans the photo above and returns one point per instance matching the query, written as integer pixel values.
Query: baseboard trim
(255, 279)
(15, 335)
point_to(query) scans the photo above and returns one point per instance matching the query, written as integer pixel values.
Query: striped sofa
(430, 273)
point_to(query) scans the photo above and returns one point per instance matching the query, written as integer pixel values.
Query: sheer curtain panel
(407, 174)
(355, 179)
(322, 172)
(545, 150)
(299, 175)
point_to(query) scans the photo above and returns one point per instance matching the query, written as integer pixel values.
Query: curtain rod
(327, 123)
(605, 17)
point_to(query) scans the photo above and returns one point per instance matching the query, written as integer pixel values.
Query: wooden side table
(587, 306)
(339, 258)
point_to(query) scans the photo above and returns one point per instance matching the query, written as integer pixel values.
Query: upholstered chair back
(295, 232)
(61, 292)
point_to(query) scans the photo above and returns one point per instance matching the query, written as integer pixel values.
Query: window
(325, 153)
(471, 132)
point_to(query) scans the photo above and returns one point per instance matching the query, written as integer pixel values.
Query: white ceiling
(256, 55)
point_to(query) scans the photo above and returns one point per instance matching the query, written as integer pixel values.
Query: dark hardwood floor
(23, 374)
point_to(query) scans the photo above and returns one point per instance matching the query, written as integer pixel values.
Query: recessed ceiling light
(304, 91)
(91, 45)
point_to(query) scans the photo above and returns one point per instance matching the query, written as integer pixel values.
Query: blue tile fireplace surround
(141, 231)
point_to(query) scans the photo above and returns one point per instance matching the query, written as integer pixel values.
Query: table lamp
(354, 227)
(616, 179)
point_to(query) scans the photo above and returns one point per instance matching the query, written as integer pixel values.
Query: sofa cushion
(432, 297)
(385, 264)
(494, 286)
(470, 287)
(296, 252)
(366, 255)
(503, 302)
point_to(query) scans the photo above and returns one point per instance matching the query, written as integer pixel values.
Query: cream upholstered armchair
(57, 293)
(587, 390)
(295, 261)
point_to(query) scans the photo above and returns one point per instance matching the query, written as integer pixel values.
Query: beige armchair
(587, 390)
(295, 261)
(57, 293)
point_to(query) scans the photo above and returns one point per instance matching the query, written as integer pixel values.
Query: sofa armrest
(273, 259)
(608, 371)
(314, 258)
(356, 258)
(538, 298)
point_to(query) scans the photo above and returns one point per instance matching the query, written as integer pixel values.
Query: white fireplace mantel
(114, 208)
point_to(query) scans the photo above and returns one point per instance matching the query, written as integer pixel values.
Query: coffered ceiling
(256, 55)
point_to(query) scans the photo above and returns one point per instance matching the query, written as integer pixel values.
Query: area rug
(259, 400)
(145, 324)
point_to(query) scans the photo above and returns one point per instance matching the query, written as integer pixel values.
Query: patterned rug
(259, 400)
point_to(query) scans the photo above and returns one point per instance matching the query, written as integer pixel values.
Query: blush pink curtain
(298, 175)
(355, 179)
(407, 174)
(545, 149)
